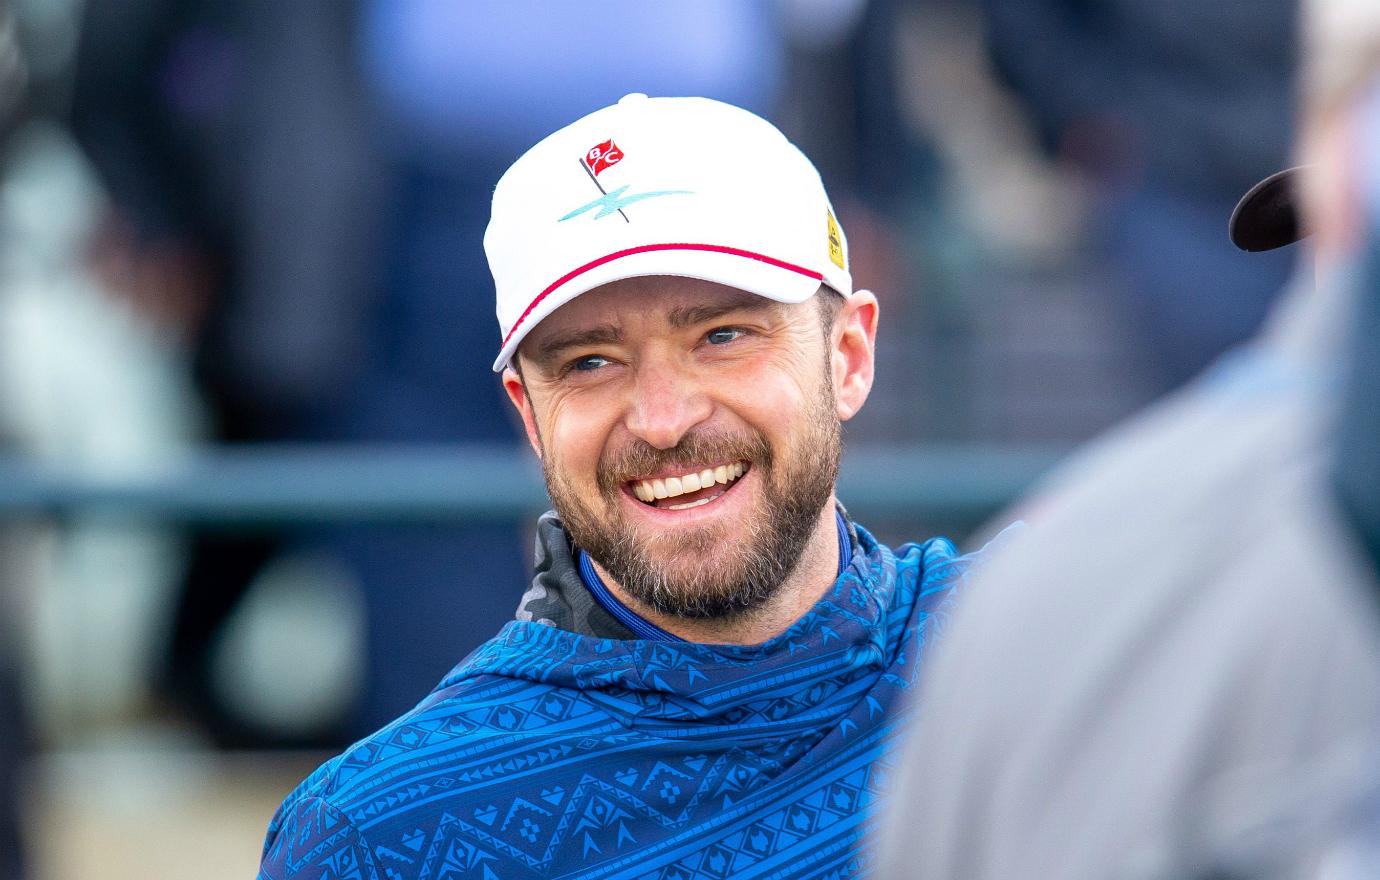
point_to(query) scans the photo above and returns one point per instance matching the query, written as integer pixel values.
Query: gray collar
(557, 596)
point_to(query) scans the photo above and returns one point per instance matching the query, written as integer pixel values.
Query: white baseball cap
(659, 186)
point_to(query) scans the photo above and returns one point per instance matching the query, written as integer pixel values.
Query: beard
(710, 572)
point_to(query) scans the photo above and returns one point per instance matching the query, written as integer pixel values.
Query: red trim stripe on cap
(646, 248)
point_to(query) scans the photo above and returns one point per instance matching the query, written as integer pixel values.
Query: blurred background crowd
(233, 222)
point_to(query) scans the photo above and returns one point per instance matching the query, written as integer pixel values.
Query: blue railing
(255, 485)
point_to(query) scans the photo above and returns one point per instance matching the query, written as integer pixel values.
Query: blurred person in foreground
(1175, 671)
(701, 679)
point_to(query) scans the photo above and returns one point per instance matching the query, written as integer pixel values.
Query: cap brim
(1267, 215)
(764, 276)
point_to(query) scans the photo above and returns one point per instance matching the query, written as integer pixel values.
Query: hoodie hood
(814, 670)
(557, 754)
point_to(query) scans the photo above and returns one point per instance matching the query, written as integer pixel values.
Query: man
(1175, 671)
(701, 679)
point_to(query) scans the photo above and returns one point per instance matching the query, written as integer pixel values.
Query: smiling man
(690, 438)
(701, 680)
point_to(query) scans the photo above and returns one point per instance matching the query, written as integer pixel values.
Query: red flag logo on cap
(600, 157)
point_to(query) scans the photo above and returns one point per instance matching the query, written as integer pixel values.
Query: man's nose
(666, 404)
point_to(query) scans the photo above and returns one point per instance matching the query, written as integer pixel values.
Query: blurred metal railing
(260, 485)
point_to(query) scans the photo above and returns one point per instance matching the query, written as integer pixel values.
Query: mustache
(694, 450)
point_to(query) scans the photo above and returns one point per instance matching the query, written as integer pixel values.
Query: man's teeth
(688, 504)
(651, 490)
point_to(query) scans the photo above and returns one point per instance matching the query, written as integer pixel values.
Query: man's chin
(699, 600)
(702, 542)
(689, 581)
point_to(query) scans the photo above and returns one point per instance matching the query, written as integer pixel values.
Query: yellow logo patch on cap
(835, 240)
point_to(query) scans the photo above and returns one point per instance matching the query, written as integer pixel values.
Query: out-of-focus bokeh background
(258, 488)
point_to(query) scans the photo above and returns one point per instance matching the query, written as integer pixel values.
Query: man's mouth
(688, 490)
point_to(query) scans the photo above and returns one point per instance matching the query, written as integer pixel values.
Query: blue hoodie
(558, 754)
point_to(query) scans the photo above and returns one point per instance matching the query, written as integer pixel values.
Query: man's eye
(588, 363)
(723, 335)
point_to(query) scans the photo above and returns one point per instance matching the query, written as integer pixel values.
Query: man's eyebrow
(681, 317)
(601, 334)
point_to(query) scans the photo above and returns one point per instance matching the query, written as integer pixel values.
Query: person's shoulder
(1207, 446)
(1160, 512)
(306, 831)
(320, 816)
(447, 714)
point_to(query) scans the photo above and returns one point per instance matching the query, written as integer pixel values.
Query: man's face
(689, 434)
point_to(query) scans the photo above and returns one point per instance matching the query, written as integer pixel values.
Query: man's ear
(517, 393)
(853, 350)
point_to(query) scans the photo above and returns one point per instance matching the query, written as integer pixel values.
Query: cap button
(630, 98)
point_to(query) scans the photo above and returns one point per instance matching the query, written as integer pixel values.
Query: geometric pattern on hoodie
(552, 754)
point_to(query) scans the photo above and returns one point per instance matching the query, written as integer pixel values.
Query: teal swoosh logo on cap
(613, 202)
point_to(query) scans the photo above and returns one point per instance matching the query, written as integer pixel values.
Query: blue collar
(645, 629)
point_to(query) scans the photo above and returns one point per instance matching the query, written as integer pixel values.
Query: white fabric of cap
(695, 188)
